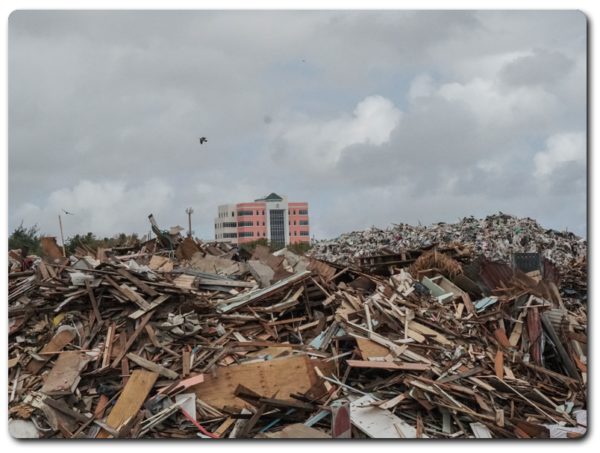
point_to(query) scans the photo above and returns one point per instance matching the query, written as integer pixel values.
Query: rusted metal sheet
(473, 271)
(550, 272)
(495, 274)
(534, 328)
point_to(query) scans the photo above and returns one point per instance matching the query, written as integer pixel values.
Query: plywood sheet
(187, 249)
(285, 376)
(50, 248)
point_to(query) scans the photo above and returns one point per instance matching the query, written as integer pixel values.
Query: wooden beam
(137, 282)
(152, 366)
(126, 293)
(133, 337)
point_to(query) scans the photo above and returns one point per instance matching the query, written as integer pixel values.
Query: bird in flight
(202, 140)
(70, 213)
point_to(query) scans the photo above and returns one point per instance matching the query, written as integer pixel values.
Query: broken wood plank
(152, 335)
(388, 365)
(185, 362)
(152, 366)
(123, 351)
(58, 342)
(65, 374)
(137, 282)
(498, 365)
(123, 291)
(153, 304)
(62, 406)
(129, 403)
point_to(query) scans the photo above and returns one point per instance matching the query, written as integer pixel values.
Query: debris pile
(496, 237)
(175, 338)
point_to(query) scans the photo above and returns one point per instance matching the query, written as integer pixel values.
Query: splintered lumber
(93, 300)
(285, 375)
(152, 366)
(58, 342)
(129, 403)
(155, 303)
(499, 368)
(65, 409)
(137, 282)
(389, 365)
(65, 374)
(123, 291)
(185, 362)
(122, 353)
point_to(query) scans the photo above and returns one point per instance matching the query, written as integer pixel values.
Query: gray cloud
(543, 67)
(373, 117)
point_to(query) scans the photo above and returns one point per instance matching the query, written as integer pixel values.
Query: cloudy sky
(372, 118)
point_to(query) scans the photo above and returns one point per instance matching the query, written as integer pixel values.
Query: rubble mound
(496, 237)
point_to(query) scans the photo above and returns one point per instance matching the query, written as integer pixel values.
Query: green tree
(28, 237)
(250, 246)
(300, 248)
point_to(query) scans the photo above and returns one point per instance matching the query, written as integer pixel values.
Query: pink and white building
(272, 218)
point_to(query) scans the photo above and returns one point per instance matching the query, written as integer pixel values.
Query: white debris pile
(496, 236)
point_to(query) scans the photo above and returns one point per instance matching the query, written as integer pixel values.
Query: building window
(304, 233)
(288, 212)
(303, 212)
(294, 212)
(232, 214)
(264, 234)
(290, 233)
(247, 234)
(216, 237)
(289, 222)
(263, 223)
(245, 224)
(263, 212)
(295, 233)
(245, 213)
(277, 226)
(257, 223)
(294, 223)
(230, 235)
(303, 222)
(229, 225)
(257, 212)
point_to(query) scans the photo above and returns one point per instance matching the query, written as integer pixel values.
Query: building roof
(272, 197)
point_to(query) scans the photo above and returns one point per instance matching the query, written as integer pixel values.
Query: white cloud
(323, 141)
(560, 149)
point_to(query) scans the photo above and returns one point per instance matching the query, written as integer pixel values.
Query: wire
(163, 234)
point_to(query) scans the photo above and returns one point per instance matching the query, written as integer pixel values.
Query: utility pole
(61, 236)
(189, 212)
